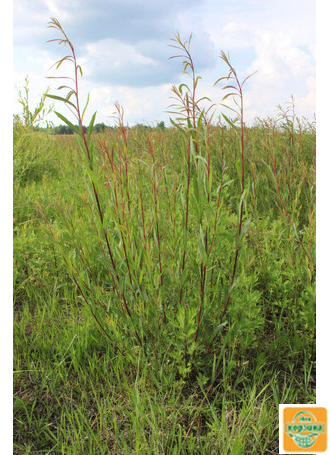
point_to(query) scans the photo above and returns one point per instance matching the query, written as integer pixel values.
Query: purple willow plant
(235, 88)
(131, 232)
(194, 122)
(87, 147)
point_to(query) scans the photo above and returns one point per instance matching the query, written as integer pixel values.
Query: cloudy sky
(123, 48)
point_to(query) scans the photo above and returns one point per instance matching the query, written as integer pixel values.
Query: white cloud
(306, 104)
(112, 56)
(124, 52)
(278, 56)
(232, 35)
(146, 104)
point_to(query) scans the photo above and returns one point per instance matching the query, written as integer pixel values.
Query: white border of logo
(280, 426)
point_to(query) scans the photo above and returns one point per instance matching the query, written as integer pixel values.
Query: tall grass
(191, 257)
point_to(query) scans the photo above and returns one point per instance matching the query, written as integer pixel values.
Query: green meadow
(164, 278)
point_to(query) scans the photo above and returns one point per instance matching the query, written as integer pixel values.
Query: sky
(123, 47)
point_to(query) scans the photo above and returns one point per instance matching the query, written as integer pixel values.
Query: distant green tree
(65, 129)
(99, 127)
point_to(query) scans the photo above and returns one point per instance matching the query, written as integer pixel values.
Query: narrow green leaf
(82, 117)
(65, 120)
(94, 179)
(65, 86)
(210, 181)
(197, 79)
(230, 86)
(229, 94)
(91, 154)
(201, 159)
(80, 70)
(219, 327)
(183, 85)
(244, 229)
(90, 127)
(68, 96)
(201, 249)
(230, 108)
(200, 120)
(248, 77)
(203, 98)
(220, 79)
(81, 145)
(238, 165)
(59, 98)
(229, 121)
(178, 126)
(189, 123)
(59, 62)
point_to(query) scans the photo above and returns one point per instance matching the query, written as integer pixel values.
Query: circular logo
(304, 429)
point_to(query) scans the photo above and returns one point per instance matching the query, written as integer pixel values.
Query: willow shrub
(154, 246)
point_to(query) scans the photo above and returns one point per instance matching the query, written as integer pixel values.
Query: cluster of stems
(128, 206)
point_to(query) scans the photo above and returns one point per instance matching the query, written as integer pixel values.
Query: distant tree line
(65, 129)
(98, 128)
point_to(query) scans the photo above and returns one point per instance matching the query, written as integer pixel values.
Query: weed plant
(164, 279)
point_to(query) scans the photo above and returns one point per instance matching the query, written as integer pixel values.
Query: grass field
(164, 285)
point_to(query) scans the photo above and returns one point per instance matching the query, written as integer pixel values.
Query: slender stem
(240, 93)
(187, 214)
(202, 289)
(156, 211)
(286, 212)
(218, 206)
